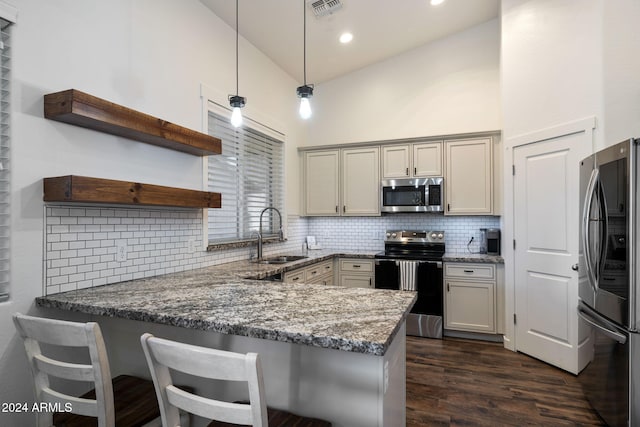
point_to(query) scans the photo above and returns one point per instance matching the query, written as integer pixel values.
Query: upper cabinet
(418, 160)
(360, 181)
(322, 183)
(468, 176)
(342, 182)
(345, 180)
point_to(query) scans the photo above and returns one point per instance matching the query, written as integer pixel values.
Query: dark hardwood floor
(454, 382)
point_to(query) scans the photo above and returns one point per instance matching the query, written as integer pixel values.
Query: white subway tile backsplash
(81, 242)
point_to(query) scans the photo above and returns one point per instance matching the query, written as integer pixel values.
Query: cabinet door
(427, 159)
(360, 181)
(470, 306)
(356, 281)
(321, 183)
(468, 179)
(395, 161)
(295, 276)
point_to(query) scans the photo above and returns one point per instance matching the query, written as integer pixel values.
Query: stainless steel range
(412, 260)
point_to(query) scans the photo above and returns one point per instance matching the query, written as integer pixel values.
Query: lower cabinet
(321, 273)
(352, 273)
(356, 273)
(470, 297)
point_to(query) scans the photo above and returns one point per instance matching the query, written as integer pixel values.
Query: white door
(546, 232)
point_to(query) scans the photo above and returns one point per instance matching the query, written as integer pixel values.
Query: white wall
(621, 62)
(446, 87)
(150, 55)
(551, 67)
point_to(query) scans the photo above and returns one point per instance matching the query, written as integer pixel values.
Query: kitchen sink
(281, 259)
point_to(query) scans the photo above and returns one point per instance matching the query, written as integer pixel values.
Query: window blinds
(249, 175)
(5, 190)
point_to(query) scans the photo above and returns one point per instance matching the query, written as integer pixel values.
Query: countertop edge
(363, 346)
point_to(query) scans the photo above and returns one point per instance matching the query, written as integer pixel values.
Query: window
(249, 175)
(5, 190)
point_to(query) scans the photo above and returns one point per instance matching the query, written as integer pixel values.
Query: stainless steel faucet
(259, 233)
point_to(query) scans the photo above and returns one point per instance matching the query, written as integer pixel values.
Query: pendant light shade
(304, 92)
(236, 101)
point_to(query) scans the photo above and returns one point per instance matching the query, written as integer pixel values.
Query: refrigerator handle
(604, 229)
(614, 335)
(586, 227)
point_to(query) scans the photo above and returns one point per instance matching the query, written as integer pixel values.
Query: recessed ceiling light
(436, 2)
(346, 37)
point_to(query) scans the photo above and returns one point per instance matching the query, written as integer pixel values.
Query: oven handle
(437, 263)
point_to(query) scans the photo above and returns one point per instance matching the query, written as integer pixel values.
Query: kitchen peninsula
(328, 351)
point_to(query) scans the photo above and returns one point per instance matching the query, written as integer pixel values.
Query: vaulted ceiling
(381, 29)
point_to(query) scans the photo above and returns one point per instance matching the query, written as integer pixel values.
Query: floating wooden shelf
(81, 109)
(83, 189)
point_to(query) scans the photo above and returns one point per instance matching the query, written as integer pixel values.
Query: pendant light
(305, 91)
(236, 101)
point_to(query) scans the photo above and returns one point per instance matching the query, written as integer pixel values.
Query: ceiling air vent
(324, 7)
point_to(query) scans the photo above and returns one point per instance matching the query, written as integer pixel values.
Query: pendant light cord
(304, 42)
(237, 73)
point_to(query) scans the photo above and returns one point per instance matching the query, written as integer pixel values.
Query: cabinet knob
(574, 267)
(407, 172)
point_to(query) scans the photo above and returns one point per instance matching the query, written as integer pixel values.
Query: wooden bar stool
(165, 355)
(127, 401)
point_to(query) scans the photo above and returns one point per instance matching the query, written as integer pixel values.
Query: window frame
(270, 233)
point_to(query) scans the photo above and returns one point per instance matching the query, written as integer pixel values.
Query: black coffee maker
(492, 244)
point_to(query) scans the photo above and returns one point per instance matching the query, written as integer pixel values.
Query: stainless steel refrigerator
(608, 286)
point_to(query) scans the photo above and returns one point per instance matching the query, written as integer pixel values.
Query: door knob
(574, 267)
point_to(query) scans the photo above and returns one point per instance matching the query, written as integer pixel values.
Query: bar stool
(165, 355)
(127, 401)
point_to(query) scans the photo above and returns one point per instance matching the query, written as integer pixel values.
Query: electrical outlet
(193, 245)
(121, 250)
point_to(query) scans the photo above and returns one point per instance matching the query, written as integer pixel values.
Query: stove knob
(393, 234)
(434, 235)
(388, 234)
(440, 236)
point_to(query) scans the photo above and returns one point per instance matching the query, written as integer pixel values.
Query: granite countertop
(470, 257)
(228, 299)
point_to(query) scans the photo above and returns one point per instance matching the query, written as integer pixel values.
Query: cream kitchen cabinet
(412, 160)
(468, 176)
(361, 181)
(322, 182)
(342, 182)
(470, 297)
(321, 272)
(356, 273)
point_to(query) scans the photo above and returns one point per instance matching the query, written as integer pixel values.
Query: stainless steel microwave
(412, 195)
